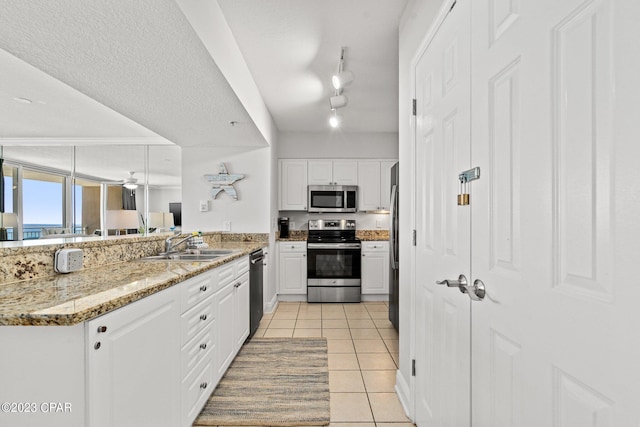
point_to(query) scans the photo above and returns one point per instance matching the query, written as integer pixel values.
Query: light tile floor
(363, 357)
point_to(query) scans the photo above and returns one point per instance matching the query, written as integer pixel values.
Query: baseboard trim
(404, 394)
(375, 297)
(271, 305)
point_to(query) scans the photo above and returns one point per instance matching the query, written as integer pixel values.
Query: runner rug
(273, 382)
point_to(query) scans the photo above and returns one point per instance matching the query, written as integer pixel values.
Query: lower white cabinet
(232, 301)
(133, 358)
(153, 362)
(375, 267)
(292, 268)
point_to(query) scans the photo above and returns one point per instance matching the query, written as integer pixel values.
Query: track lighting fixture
(339, 80)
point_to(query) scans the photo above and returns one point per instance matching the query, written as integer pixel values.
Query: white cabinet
(374, 177)
(241, 311)
(293, 185)
(333, 172)
(134, 363)
(375, 268)
(232, 302)
(198, 352)
(151, 362)
(292, 268)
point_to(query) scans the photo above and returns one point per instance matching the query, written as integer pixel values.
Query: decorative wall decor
(224, 181)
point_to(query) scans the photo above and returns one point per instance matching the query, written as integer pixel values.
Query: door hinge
(414, 237)
(413, 106)
(413, 367)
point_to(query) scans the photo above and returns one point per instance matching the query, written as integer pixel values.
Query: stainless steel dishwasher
(255, 290)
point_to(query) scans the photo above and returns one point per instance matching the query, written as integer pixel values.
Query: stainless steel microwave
(333, 198)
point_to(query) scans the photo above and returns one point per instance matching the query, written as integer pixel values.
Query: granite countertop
(69, 299)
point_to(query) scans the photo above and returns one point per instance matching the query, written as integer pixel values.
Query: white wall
(250, 213)
(416, 20)
(159, 198)
(337, 145)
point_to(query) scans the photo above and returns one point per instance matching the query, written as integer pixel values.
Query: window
(42, 202)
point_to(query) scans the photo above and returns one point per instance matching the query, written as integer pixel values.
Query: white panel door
(555, 228)
(443, 229)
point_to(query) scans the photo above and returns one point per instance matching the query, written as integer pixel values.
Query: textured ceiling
(292, 48)
(141, 59)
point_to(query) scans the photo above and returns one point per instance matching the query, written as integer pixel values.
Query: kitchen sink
(182, 257)
(192, 255)
(214, 251)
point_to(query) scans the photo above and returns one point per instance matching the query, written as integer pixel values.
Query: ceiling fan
(130, 183)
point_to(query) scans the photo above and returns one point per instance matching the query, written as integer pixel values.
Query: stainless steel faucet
(170, 247)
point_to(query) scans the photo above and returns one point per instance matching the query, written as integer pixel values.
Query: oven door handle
(334, 245)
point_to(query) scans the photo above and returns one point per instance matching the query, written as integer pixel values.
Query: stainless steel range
(333, 261)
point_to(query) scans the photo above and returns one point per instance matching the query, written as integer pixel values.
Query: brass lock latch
(464, 178)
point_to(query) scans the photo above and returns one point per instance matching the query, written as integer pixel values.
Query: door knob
(460, 283)
(476, 291)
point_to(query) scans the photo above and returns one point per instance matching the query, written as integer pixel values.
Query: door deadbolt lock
(464, 178)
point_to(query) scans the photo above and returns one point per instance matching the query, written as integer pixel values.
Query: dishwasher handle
(257, 260)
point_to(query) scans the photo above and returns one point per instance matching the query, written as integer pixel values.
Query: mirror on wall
(84, 191)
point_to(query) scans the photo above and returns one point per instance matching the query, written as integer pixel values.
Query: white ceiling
(141, 59)
(132, 72)
(292, 48)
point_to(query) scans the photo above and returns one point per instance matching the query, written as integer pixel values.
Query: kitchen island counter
(69, 299)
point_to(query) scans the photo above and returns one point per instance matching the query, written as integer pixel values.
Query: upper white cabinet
(374, 177)
(333, 172)
(293, 185)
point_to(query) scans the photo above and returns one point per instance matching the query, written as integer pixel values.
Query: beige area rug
(273, 382)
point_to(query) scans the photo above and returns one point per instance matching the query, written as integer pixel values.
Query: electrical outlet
(292, 225)
(204, 205)
(226, 226)
(68, 260)
(378, 224)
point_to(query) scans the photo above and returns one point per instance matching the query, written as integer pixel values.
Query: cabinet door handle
(362, 254)
(203, 346)
(203, 317)
(102, 329)
(97, 345)
(203, 288)
(203, 385)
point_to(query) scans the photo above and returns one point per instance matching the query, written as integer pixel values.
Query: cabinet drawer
(375, 246)
(226, 274)
(201, 347)
(197, 289)
(196, 319)
(196, 389)
(242, 266)
(292, 247)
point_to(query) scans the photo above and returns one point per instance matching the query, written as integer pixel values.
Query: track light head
(338, 101)
(334, 120)
(342, 79)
